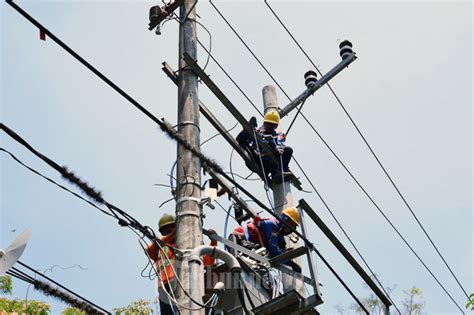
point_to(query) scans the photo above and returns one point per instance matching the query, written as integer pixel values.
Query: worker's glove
(295, 266)
(211, 231)
(253, 122)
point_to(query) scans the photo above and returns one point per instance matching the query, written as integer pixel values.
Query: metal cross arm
(159, 14)
(318, 84)
(357, 267)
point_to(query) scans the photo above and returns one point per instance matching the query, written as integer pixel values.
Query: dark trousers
(270, 167)
(165, 307)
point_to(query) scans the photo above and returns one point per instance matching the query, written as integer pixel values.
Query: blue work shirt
(275, 241)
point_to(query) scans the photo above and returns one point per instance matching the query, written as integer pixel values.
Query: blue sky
(410, 91)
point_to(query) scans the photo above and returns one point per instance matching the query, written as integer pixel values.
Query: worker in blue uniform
(269, 233)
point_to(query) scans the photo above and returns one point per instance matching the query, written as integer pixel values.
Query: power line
(218, 134)
(345, 233)
(383, 214)
(299, 111)
(230, 78)
(133, 225)
(369, 147)
(206, 162)
(74, 299)
(55, 183)
(248, 48)
(332, 151)
(123, 218)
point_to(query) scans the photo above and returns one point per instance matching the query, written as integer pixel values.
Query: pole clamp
(189, 122)
(183, 199)
(188, 212)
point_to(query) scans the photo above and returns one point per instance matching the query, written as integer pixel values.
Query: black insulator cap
(310, 73)
(346, 49)
(345, 43)
(310, 78)
(155, 12)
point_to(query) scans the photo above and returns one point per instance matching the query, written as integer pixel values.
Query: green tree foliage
(412, 304)
(24, 307)
(73, 311)
(17, 305)
(6, 285)
(470, 302)
(141, 307)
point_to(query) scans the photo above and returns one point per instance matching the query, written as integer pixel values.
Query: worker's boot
(278, 177)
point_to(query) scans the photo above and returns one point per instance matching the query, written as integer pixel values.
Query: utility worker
(269, 233)
(164, 260)
(275, 139)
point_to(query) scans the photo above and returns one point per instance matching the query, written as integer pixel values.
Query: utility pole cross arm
(160, 14)
(217, 125)
(319, 83)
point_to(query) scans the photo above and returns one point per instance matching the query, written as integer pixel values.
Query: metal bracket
(253, 255)
(189, 122)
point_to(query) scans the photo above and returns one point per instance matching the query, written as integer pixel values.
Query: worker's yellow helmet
(166, 219)
(272, 117)
(292, 213)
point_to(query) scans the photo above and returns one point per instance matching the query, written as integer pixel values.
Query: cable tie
(183, 199)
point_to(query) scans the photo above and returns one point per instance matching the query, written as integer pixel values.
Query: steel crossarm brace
(214, 122)
(256, 256)
(322, 81)
(289, 255)
(342, 249)
(228, 104)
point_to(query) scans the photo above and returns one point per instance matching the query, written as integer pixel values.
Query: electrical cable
(345, 233)
(369, 147)
(165, 127)
(59, 285)
(230, 166)
(266, 70)
(301, 236)
(233, 174)
(165, 255)
(296, 116)
(173, 187)
(250, 50)
(218, 134)
(124, 219)
(231, 79)
(246, 292)
(264, 173)
(383, 214)
(55, 183)
(227, 216)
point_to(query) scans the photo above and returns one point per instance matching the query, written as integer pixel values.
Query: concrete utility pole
(282, 197)
(188, 193)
